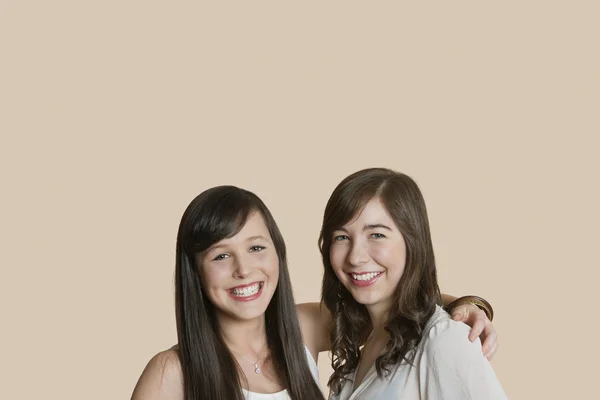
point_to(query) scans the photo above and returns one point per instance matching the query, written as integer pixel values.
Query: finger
(492, 352)
(458, 316)
(478, 327)
(461, 313)
(490, 341)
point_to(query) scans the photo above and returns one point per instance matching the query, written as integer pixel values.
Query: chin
(367, 299)
(246, 315)
(249, 315)
(250, 311)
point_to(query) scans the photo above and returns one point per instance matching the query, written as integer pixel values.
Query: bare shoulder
(315, 322)
(162, 378)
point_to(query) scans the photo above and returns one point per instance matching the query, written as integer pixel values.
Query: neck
(247, 338)
(379, 314)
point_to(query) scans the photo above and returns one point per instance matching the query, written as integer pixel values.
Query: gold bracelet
(477, 301)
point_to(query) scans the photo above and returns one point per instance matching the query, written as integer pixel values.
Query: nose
(358, 254)
(242, 267)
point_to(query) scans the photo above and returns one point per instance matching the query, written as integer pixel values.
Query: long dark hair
(210, 371)
(417, 293)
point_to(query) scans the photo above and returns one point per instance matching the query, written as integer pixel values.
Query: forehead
(372, 213)
(254, 226)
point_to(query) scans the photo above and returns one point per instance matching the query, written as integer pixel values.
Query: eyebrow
(251, 238)
(367, 227)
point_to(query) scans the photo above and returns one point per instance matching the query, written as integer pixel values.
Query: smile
(248, 292)
(365, 278)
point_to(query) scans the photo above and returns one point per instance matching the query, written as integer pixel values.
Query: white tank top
(284, 395)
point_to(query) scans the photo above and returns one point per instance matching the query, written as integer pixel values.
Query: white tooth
(247, 291)
(365, 277)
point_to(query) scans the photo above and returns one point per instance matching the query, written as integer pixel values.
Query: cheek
(390, 257)
(337, 255)
(212, 277)
(273, 267)
(337, 258)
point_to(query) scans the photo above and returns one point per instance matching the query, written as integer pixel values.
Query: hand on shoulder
(481, 327)
(442, 332)
(452, 366)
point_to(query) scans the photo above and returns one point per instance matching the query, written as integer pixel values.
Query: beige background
(115, 114)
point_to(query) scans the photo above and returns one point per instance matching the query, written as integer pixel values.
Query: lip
(246, 285)
(246, 298)
(371, 281)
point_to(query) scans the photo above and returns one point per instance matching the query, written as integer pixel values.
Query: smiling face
(239, 274)
(368, 255)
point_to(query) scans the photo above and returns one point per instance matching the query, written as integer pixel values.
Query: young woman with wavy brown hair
(390, 337)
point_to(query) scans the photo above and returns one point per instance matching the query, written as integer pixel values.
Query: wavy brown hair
(417, 293)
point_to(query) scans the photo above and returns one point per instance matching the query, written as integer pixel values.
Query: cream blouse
(447, 366)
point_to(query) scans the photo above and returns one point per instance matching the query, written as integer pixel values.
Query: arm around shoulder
(162, 378)
(453, 367)
(315, 323)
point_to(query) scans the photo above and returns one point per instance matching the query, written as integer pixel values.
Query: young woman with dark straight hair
(236, 317)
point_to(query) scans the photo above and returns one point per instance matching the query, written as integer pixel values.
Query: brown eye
(256, 249)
